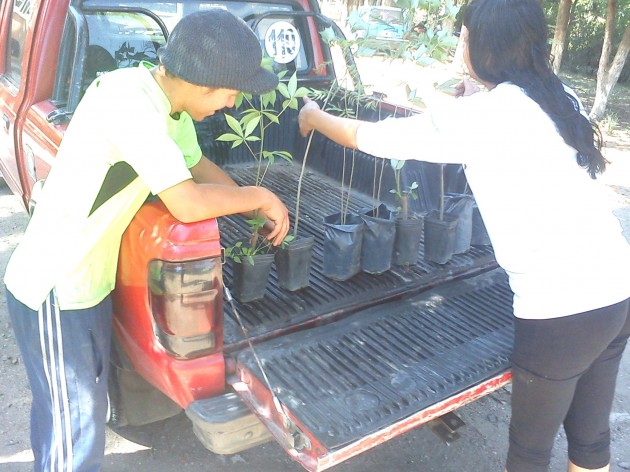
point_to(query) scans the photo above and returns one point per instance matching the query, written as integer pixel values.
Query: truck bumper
(224, 425)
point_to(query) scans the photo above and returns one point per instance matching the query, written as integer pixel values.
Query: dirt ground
(171, 445)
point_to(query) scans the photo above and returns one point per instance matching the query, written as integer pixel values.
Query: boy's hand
(307, 108)
(278, 215)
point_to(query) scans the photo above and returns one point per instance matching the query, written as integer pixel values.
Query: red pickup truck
(328, 371)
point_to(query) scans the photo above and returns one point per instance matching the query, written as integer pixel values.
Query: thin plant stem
(265, 171)
(376, 191)
(352, 164)
(441, 192)
(343, 171)
(262, 146)
(374, 183)
(404, 203)
(380, 181)
(253, 239)
(343, 181)
(349, 193)
(303, 169)
(299, 186)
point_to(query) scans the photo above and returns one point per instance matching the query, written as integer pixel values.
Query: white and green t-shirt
(72, 241)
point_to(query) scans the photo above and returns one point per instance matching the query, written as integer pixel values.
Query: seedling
(402, 193)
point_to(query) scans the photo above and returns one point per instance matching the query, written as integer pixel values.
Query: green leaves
(400, 192)
(411, 4)
(257, 244)
(328, 34)
(396, 164)
(256, 223)
(271, 156)
(451, 9)
(425, 43)
(268, 99)
(448, 87)
(240, 252)
(255, 120)
(288, 238)
(242, 130)
(291, 92)
(413, 97)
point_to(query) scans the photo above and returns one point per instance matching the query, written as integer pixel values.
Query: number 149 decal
(282, 42)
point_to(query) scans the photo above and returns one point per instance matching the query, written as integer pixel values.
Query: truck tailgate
(350, 385)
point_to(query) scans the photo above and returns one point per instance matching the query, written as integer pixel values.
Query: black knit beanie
(214, 48)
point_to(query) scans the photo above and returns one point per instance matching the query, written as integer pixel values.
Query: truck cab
(328, 371)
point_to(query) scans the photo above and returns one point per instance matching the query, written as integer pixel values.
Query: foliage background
(586, 33)
(584, 38)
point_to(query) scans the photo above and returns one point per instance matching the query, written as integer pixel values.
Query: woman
(530, 158)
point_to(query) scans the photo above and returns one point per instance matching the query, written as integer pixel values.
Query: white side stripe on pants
(54, 369)
(64, 386)
(42, 342)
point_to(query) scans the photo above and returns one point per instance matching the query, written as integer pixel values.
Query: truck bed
(327, 299)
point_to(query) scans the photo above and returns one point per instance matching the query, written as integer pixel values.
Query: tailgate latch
(446, 426)
(295, 438)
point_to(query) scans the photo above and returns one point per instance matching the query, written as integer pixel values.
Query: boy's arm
(207, 172)
(189, 201)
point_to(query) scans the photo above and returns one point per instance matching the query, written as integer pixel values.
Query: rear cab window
(102, 36)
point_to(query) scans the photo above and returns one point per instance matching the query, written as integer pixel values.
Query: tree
(560, 34)
(608, 72)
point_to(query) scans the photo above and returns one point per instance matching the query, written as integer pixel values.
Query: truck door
(29, 48)
(16, 27)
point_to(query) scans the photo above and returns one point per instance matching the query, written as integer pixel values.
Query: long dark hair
(507, 42)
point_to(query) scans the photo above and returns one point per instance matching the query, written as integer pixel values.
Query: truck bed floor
(321, 196)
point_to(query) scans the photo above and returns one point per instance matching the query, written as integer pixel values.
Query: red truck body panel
(156, 234)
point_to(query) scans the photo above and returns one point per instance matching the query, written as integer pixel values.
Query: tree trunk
(351, 5)
(560, 34)
(608, 73)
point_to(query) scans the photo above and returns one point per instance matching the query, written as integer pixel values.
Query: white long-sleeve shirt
(551, 225)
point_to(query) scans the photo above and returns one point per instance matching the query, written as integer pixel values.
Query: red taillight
(186, 303)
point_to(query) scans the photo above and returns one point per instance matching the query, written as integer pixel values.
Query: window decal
(282, 42)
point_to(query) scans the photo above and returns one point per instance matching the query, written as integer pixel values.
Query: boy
(131, 135)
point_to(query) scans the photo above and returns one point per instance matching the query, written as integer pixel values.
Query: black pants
(564, 373)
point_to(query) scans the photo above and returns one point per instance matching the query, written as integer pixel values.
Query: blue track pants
(66, 356)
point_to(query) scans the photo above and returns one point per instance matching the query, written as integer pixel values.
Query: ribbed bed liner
(359, 374)
(322, 196)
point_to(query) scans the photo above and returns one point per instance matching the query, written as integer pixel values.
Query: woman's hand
(465, 87)
(303, 117)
